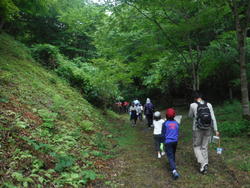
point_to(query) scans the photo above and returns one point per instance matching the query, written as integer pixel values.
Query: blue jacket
(170, 131)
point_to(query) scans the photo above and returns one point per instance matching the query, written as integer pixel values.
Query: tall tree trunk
(242, 18)
(194, 72)
(241, 37)
(230, 93)
(198, 81)
(1, 23)
(194, 77)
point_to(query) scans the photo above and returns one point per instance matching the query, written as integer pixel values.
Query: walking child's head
(157, 115)
(170, 114)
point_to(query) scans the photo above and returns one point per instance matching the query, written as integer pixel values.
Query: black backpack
(203, 120)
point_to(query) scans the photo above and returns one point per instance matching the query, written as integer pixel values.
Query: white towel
(178, 118)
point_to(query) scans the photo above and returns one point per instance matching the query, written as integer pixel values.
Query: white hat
(148, 100)
(157, 114)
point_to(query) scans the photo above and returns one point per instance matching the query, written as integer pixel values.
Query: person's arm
(153, 108)
(130, 108)
(191, 111)
(213, 119)
(163, 130)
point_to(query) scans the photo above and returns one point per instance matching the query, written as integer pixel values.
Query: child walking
(133, 114)
(157, 123)
(170, 132)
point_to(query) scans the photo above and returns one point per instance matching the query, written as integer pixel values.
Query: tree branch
(161, 28)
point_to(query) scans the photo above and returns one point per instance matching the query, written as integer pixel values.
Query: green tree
(241, 13)
(8, 11)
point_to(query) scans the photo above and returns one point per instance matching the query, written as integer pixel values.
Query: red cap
(170, 113)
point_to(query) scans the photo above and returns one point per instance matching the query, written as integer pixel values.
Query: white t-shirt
(158, 126)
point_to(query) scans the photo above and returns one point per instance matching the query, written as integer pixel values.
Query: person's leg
(136, 118)
(131, 119)
(140, 116)
(151, 120)
(157, 145)
(204, 146)
(162, 149)
(174, 149)
(170, 155)
(197, 141)
(148, 119)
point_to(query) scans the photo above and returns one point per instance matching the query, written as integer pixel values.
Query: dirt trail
(137, 165)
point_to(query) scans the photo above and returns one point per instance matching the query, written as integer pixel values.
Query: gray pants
(200, 144)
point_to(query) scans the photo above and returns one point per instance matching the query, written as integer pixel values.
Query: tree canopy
(137, 49)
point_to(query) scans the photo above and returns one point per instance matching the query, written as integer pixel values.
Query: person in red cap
(170, 133)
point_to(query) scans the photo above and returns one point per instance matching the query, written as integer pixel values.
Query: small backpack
(203, 120)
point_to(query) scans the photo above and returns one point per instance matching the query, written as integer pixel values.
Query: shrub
(87, 125)
(48, 55)
(48, 118)
(63, 162)
(233, 128)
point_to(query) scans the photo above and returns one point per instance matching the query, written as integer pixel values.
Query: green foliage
(97, 90)
(12, 48)
(87, 125)
(50, 148)
(230, 119)
(100, 141)
(48, 118)
(46, 148)
(48, 55)
(63, 162)
(233, 128)
(20, 178)
(245, 165)
(8, 10)
(88, 175)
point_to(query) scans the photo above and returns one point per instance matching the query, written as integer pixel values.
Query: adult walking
(149, 111)
(204, 123)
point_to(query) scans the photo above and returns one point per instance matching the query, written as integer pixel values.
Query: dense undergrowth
(50, 135)
(231, 122)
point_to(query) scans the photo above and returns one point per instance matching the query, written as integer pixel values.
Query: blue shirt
(170, 131)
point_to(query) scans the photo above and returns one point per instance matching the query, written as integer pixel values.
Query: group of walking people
(138, 111)
(166, 131)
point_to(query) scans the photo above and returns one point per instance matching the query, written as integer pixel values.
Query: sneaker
(204, 168)
(159, 155)
(175, 175)
(162, 153)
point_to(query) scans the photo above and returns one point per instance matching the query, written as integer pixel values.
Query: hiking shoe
(159, 155)
(175, 175)
(204, 168)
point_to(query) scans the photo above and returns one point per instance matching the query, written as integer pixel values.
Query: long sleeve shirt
(193, 114)
(170, 131)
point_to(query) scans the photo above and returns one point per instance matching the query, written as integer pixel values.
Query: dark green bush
(63, 162)
(83, 76)
(233, 128)
(48, 55)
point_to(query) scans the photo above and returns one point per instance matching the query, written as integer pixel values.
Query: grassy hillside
(50, 135)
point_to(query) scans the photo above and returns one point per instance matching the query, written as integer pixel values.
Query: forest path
(138, 166)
